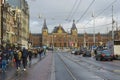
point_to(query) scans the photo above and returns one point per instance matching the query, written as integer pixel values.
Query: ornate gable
(59, 29)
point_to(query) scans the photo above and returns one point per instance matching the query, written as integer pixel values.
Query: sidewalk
(42, 70)
(11, 70)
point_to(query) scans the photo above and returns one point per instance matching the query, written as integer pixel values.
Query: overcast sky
(64, 11)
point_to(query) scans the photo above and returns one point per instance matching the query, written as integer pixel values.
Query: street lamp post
(84, 39)
(93, 28)
(112, 25)
(52, 43)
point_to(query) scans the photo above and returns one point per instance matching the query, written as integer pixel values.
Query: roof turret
(73, 25)
(44, 24)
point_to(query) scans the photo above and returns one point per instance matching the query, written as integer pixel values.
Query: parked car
(82, 51)
(87, 53)
(50, 48)
(104, 55)
(98, 49)
(75, 51)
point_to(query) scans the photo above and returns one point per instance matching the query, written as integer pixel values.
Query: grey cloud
(56, 11)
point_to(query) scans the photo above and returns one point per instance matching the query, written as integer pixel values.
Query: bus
(114, 47)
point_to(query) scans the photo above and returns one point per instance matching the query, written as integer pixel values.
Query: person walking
(18, 57)
(30, 56)
(0, 59)
(24, 58)
(4, 58)
(40, 51)
(10, 53)
(44, 50)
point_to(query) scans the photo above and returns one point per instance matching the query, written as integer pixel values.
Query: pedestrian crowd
(19, 56)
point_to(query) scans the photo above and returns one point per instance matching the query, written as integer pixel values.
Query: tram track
(95, 67)
(90, 63)
(101, 67)
(67, 68)
(73, 75)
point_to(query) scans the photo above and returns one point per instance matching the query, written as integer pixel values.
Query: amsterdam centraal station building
(62, 39)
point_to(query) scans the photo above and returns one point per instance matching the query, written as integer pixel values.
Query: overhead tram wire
(98, 26)
(106, 8)
(86, 11)
(102, 11)
(72, 15)
(104, 25)
(72, 10)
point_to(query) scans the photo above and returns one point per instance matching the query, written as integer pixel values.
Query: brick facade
(60, 38)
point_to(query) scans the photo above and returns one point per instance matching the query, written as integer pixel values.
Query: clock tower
(44, 28)
(44, 34)
(74, 29)
(74, 35)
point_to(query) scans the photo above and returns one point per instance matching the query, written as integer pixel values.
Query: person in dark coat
(0, 59)
(40, 51)
(4, 58)
(30, 54)
(18, 57)
(24, 58)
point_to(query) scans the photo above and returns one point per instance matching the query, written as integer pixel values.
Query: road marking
(77, 60)
(116, 70)
(96, 77)
(53, 68)
(70, 73)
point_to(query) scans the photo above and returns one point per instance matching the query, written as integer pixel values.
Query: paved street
(61, 72)
(87, 68)
(66, 66)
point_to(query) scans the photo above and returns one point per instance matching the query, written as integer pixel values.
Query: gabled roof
(57, 29)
